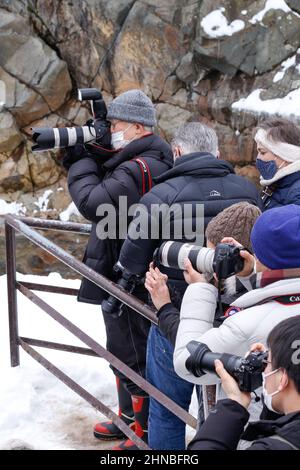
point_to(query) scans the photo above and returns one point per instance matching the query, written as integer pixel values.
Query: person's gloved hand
(73, 154)
(100, 149)
(91, 150)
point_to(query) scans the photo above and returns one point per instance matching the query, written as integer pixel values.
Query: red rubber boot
(107, 430)
(141, 411)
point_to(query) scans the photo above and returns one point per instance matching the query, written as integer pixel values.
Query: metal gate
(26, 226)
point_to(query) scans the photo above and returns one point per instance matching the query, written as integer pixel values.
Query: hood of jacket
(287, 426)
(150, 144)
(199, 163)
(283, 287)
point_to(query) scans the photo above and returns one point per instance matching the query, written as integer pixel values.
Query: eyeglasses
(265, 361)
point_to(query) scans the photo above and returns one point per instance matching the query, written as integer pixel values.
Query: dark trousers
(166, 431)
(127, 340)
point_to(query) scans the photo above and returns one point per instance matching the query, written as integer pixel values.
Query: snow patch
(215, 24)
(43, 200)
(270, 5)
(12, 208)
(286, 64)
(286, 106)
(70, 210)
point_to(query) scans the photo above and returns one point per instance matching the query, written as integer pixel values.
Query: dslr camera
(224, 261)
(95, 130)
(127, 282)
(246, 371)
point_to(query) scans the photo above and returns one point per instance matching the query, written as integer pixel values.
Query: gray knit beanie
(132, 106)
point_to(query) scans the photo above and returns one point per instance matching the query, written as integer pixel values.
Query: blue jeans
(166, 431)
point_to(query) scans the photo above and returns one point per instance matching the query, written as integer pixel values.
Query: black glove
(100, 150)
(73, 154)
(79, 151)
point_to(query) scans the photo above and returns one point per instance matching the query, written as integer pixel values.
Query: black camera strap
(147, 181)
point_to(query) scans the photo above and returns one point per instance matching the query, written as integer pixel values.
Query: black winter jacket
(197, 178)
(92, 183)
(225, 424)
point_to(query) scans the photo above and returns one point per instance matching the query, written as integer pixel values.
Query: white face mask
(117, 139)
(268, 396)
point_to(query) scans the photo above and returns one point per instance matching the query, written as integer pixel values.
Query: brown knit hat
(236, 221)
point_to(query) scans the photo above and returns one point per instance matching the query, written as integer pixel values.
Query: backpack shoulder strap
(146, 177)
(282, 439)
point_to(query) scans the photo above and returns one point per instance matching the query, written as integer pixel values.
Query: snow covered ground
(36, 409)
(34, 406)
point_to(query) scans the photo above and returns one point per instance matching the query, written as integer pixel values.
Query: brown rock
(43, 169)
(233, 146)
(10, 137)
(145, 36)
(156, 45)
(39, 79)
(169, 118)
(250, 172)
(14, 172)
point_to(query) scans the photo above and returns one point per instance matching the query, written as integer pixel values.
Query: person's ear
(283, 381)
(218, 153)
(176, 152)
(138, 128)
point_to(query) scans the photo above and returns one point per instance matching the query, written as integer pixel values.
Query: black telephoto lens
(202, 360)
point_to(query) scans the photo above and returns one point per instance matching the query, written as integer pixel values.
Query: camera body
(95, 130)
(227, 260)
(224, 261)
(246, 371)
(127, 282)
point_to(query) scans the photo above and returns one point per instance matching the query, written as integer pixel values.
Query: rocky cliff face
(225, 62)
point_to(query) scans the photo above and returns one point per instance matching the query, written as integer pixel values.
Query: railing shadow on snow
(27, 226)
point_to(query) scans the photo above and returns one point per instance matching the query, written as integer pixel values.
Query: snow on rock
(286, 106)
(215, 24)
(70, 210)
(286, 64)
(270, 5)
(43, 200)
(11, 208)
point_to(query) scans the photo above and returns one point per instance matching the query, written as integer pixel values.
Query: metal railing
(26, 226)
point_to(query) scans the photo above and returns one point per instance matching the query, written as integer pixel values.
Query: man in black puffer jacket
(137, 158)
(281, 391)
(197, 178)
